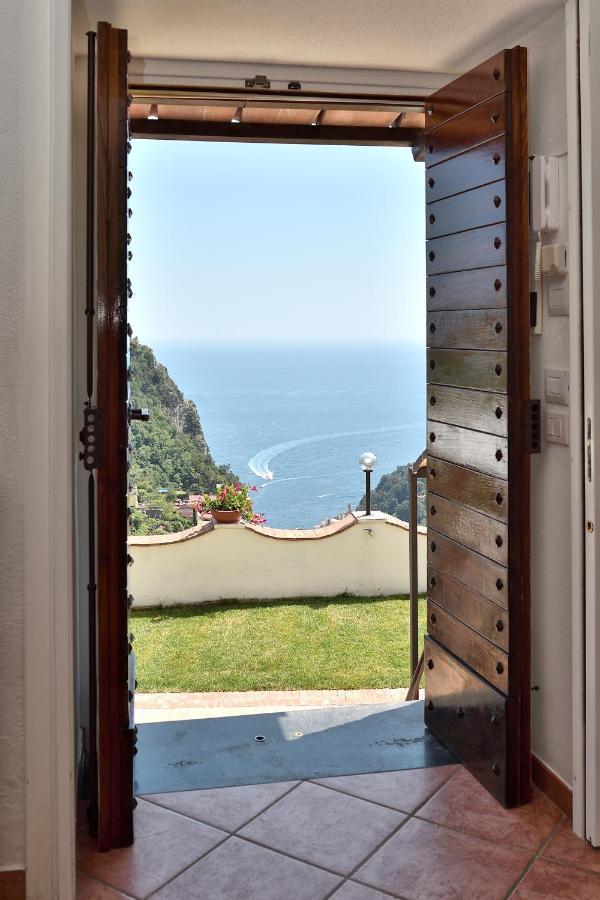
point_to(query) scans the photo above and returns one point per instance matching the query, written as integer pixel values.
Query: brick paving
(291, 699)
(166, 707)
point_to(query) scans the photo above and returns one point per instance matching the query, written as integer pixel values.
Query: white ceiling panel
(412, 35)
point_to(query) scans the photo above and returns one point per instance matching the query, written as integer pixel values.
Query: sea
(293, 419)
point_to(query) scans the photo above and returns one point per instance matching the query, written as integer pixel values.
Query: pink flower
(253, 488)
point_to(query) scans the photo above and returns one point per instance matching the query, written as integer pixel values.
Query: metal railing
(416, 470)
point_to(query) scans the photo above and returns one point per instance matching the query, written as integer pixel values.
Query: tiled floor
(424, 834)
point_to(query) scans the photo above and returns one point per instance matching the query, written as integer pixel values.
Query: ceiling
(412, 35)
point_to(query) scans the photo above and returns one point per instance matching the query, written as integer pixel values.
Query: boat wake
(260, 463)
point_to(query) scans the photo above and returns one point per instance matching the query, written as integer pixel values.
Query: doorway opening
(292, 340)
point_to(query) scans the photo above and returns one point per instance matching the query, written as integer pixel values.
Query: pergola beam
(175, 129)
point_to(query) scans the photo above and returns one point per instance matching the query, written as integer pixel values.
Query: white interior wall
(12, 561)
(36, 796)
(551, 485)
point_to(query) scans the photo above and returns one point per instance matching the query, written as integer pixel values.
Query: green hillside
(391, 496)
(169, 453)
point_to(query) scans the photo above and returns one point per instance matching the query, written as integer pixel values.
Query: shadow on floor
(299, 744)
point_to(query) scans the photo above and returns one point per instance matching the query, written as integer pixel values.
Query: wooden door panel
(487, 453)
(478, 391)
(473, 715)
(479, 369)
(485, 81)
(471, 209)
(475, 249)
(472, 289)
(477, 410)
(479, 613)
(470, 128)
(481, 165)
(484, 494)
(481, 575)
(479, 654)
(480, 533)
(470, 329)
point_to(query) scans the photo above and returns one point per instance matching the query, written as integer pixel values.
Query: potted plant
(230, 503)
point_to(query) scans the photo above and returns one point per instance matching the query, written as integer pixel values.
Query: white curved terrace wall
(369, 558)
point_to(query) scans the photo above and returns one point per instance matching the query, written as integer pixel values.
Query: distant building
(187, 507)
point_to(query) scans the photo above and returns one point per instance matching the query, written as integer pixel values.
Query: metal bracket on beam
(259, 81)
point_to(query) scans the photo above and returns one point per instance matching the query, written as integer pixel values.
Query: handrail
(418, 469)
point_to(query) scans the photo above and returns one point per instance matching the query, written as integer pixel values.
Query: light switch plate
(556, 382)
(557, 428)
(558, 300)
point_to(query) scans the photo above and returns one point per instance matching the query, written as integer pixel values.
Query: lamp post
(367, 461)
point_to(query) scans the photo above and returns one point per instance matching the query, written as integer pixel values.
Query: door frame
(48, 454)
(573, 92)
(589, 39)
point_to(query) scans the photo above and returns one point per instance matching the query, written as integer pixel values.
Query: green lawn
(342, 643)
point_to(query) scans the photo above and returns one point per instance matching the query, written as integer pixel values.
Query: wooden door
(105, 439)
(477, 650)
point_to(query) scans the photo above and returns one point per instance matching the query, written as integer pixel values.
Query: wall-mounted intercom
(544, 212)
(544, 201)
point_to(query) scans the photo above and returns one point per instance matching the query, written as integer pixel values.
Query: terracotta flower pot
(226, 516)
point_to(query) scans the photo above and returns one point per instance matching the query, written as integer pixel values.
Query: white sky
(263, 242)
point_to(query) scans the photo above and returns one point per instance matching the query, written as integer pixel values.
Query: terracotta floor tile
(324, 827)
(351, 890)
(88, 889)
(403, 790)
(550, 881)
(238, 870)
(427, 862)
(568, 848)
(463, 803)
(165, 843)
(227, 808)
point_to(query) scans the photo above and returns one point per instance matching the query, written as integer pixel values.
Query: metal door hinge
(91, 438)
(533, 426)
